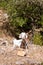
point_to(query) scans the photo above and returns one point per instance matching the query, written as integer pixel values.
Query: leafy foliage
(42, 63)
(38, 39)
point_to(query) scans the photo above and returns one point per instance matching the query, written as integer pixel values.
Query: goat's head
(23, 35)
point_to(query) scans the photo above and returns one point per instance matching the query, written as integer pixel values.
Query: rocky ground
(31, 56)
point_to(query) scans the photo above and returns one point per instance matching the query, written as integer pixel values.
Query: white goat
(17, 43)
(23, 35)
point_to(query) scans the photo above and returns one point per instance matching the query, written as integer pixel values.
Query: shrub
(37, 39)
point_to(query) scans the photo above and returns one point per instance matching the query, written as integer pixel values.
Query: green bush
(37, 39)
(42, 63)
(23, 11)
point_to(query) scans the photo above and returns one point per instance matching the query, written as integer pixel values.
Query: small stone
(21, 53)
(19, 63)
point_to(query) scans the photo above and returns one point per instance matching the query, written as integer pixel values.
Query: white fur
(17, 43)
(23, 35)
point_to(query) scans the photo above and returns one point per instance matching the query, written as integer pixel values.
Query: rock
(21, 53)
(19, 63)
(3, 42)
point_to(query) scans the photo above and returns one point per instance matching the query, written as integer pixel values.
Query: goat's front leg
(14, 47)
(26, 48)
(26, 45)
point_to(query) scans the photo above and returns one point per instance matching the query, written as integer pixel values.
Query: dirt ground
(8, 56)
